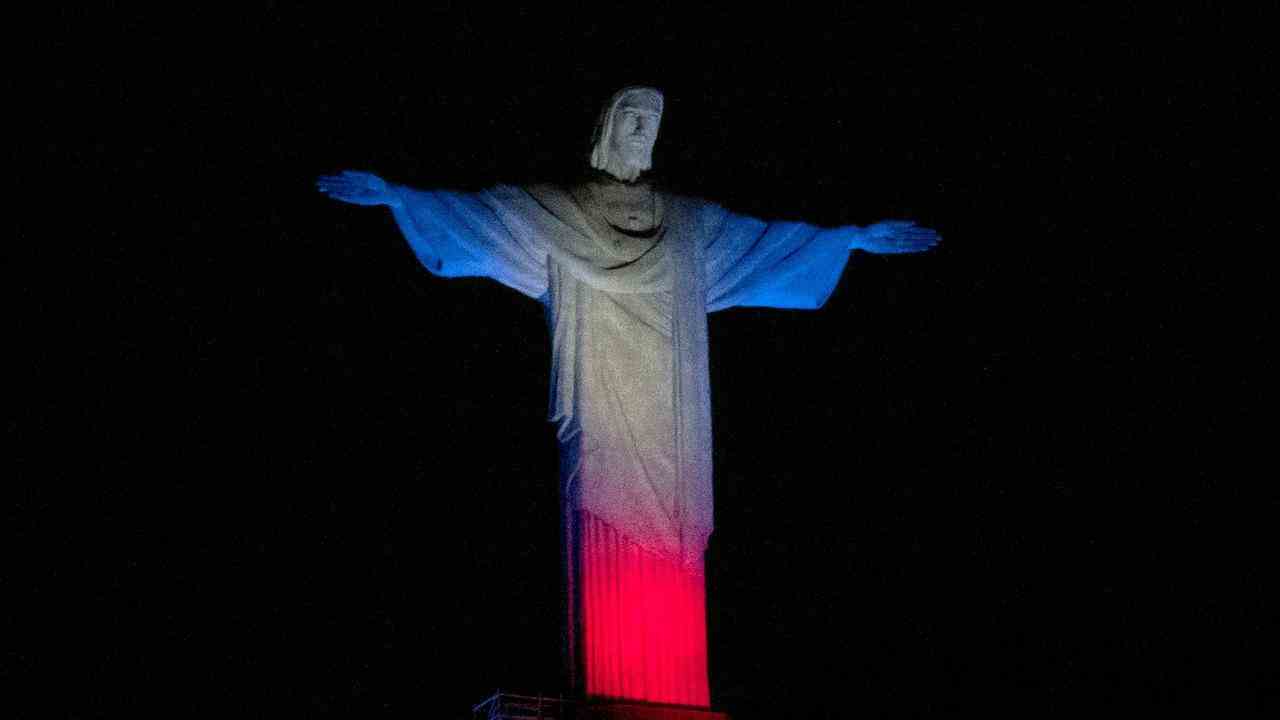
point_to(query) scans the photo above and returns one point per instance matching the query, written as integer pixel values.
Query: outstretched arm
(455, 234)
(780, 264)
(891, 237)
(752, 262)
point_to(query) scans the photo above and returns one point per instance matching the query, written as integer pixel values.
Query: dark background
(276, 467)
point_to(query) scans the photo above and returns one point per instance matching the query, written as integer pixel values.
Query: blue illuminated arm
(454, 234)
(790, 265)
(754, 263)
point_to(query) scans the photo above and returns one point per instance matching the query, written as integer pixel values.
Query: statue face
(634, 131)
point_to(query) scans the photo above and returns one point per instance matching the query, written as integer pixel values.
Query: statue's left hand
(895, 236)
(358, 188)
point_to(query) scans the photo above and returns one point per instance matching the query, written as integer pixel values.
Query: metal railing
(507, 706)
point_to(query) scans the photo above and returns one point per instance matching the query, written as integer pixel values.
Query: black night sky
(277, 468)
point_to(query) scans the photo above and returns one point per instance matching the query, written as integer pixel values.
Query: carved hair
(604, 126)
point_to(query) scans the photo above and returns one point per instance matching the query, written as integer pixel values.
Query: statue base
(630, 711)
(506, 706)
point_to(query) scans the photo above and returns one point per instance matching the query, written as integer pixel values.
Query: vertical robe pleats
(643, 628)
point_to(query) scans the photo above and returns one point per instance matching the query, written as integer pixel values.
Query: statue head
(626, 132)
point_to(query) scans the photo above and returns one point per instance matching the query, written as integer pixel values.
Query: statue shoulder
(692, 202)
(542, 188)
(543, 192)
(706, 210)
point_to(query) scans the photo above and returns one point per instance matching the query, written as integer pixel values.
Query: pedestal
(625, 711)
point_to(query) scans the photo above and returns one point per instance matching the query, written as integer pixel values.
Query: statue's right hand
(359, 188)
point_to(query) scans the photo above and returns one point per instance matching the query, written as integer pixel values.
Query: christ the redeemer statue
(627, 274)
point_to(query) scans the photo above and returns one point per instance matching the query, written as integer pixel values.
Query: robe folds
(630, 391)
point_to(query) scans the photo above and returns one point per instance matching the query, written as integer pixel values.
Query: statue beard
(626, 165)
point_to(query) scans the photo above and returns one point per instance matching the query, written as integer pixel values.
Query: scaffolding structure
(507, 706)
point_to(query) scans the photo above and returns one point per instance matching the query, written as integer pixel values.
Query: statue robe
(627, 276)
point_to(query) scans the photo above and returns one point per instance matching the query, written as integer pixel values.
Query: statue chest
(633, 213)
(630, 208)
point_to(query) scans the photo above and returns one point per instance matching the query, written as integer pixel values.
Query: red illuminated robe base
(643, 632)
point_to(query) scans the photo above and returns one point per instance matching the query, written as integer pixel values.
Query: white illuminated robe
(629, 387)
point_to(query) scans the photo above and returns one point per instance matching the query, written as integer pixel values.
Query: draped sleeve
(755, 263)
(481, 234)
